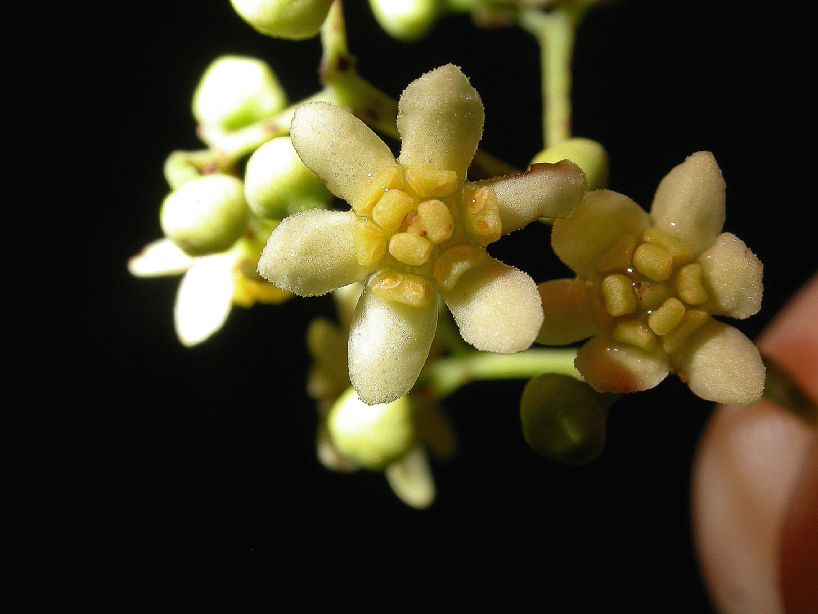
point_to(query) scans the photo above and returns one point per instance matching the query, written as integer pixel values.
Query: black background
(211, 448)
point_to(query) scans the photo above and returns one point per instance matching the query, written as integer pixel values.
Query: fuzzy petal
(340, 149)
(544, 190)
(311, 253)
(411, 479)
(612, 367)
(604, 222)
(440, 121)
(388, 346)
(720, 364)
(569, 315)
(733, 277)
(204, 299)
(162, 257)
(689, 203)
(497, 307)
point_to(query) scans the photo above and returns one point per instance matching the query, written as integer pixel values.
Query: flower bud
(206, 215)
(372, 436)
(589, 155)
(277, 184)
(292, 19)
(564, 419)
(406, 20)
(236, 91)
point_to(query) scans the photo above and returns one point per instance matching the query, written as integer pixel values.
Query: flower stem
(555, 33)
(444, 376)
(336, 56)
(783, 390)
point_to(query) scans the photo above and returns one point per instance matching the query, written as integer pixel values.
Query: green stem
(555, 33)
(336, 56)
(446, 375)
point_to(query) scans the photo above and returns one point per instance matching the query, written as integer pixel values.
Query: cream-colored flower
(210, 285)
(417, 230)
(647, 286)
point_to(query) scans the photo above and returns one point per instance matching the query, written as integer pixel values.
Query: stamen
(663, 320)
(403, 288)
(370, 242)
(689, 286)
(653, 262)
(389, 179)
(453, 263)
(436, 220)
(391, 209)
(430, 182)
(691, 322)
(680, 251)
(618, 294)
(634, 332)
(410, 249)
(482, 215)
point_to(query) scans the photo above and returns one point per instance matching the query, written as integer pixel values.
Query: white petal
(605, 221)
(440, 121)
(204, 298)
(497, 307)
(411, 479)
(689, 203)
(162, 257)
(312, 253)
(569, 314)
(340, 149)
(733, 277)
(388, 346)
(545, 190)
(609, 366)
(720, 364)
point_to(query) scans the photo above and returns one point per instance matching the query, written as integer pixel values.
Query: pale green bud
(292, 19)
(589, 155)
(277, 184)
(236, 91)
(206, 215)
(564, 419)
(372, 436)
(406, 19)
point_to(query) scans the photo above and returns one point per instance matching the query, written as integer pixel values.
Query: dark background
(211, 448)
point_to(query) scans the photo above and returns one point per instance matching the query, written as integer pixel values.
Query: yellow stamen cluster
(659, 298)
(415, 226)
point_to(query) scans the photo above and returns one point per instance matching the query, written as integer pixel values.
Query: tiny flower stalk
(417, 231)
(648, 285)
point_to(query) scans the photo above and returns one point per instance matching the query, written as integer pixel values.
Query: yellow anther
(663, 320)
(653, 262)
(618, 256)
(691, 322)
(680, 251)
(634, 332)
(390, 178)
(403, 288)
(651, 294)
(482, 215)
(436, 220)
(247, 292)
(451, 264)
(618, 295)
(410, 249)
(370, 242)
(689, 286)
(429, 182)
(391, 209)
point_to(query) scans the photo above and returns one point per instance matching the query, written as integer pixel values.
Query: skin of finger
(748, 464)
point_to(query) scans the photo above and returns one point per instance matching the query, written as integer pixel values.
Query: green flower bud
(564, 419)
(206, 215)
(236, 91)
(589, 155)
(372, 436)
(408, 19)
(277, 184)
(292, 19)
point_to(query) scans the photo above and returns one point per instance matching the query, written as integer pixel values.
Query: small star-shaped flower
(417, 230)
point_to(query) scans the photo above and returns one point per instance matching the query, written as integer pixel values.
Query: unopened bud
(291, 19)
(589, 155)
(407, 19)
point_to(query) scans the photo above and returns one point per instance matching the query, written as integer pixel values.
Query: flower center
(653, 291)
(420, 228)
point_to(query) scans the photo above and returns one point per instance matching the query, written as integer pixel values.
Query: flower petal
(496, 307)
(411, 479)
(605, 222)
(388, 346)
(440, 121)
(312, 253)
(162, 257)
(721, 364)
(340, 149)
(609, 366)
(569, 314)
(204, 298)
(544, 190)
(689, 203)
(733, 277)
